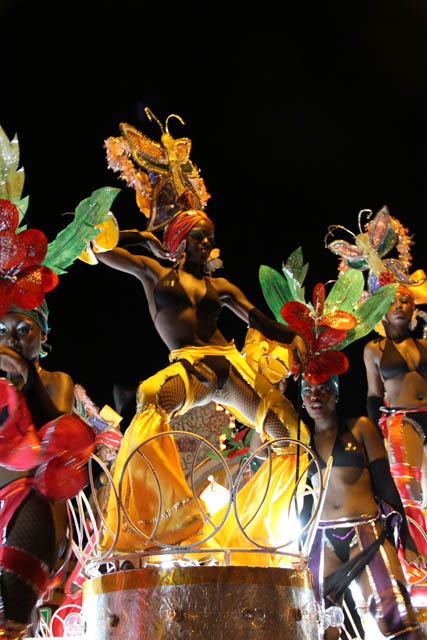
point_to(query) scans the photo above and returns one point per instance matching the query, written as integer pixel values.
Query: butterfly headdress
(29, 266)
(162, 174)
(328, 323)
(380, 236)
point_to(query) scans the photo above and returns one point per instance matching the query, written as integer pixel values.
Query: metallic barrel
(201, 602)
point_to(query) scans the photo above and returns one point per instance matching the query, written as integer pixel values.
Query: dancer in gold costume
(184, 302)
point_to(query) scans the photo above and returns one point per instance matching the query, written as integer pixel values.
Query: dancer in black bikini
(350, 521)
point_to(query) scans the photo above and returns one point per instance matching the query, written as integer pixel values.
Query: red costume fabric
(178, 228)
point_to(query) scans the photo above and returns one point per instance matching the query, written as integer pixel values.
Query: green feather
(346, 292)
(71, 241)
(295, 271)
(295, 264)
(11, 178)
(371, 311)
(275, 289)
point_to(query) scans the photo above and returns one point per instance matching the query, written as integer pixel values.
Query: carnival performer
(37, 526)
(395, 364)
(355, 533)
(43, 447)
(396, 368)
(184, 302)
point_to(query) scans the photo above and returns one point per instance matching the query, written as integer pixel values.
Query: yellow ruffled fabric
(270, 527)
(180, 517)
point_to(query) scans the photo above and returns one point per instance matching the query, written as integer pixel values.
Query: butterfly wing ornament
(383, 233)
(369, 247)
(162, 174)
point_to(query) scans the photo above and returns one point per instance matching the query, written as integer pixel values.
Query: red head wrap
(406, 292)
(178, 228)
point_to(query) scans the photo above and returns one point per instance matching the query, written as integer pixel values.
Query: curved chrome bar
(88, 536)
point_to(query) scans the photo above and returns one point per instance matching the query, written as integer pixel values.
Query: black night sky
(299, 118)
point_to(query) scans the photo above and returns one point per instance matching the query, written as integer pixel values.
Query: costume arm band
(270, 328)
(385, 489)
(39, 402)
(373, 405)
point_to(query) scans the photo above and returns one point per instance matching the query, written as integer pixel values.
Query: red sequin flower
(385, 277)
(23, 280)
(320, 332)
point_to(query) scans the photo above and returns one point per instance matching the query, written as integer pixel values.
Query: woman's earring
(303, 405)
(45, 349)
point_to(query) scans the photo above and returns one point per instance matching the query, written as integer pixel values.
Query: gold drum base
(215, 603)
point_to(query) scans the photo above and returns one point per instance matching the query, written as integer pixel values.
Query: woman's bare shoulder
(224, 287)
(60, 387)
(55, 376)
(372, 350)
(363, 429)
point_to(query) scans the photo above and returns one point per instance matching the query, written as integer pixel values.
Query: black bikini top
(346, 452)
(169, 292)
(393, 364)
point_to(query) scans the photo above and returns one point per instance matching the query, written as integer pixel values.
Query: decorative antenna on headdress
(165, 180)
(170, 145)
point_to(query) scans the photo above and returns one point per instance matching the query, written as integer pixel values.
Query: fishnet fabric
(31, 529)
(172, 393)
(237, 393)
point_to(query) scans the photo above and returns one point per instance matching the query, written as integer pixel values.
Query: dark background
(299, 118)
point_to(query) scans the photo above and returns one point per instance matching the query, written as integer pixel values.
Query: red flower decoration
(320, 368)
(298, 317)
(23, 280)
(384, 278)
(321, 332)
(318, 299)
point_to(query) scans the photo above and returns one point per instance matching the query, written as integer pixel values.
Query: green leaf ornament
(11, 178)
(71, 241)
(275, 289)
(295, 272)
(346, 292)
(371, 311)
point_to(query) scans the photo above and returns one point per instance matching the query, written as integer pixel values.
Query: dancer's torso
(185, 309)
(403, 368)
(349, 493)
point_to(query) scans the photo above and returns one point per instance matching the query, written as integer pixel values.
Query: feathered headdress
(380, 235)
(328, 323)
(29, 266)
(162, 174)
